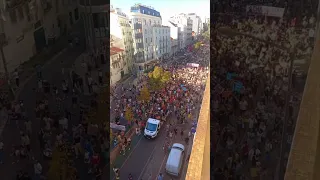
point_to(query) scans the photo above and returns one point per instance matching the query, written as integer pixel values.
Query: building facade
(144, 19)
(185, 24)
(118, 65)
(120, 28)
(175, 36)
(28, 27)
(95, 15)
(196, 23)
(161, 41)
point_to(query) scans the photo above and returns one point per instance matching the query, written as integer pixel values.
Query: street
(11, 133)
(148, 159)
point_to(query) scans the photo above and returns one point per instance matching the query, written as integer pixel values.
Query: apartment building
(185, 24)
(121, 35)
(161, 41)
(144, 19)
(175, 37)
(95, 15)
(28, 26)
(196, 23)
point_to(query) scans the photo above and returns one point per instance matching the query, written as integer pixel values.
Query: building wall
(185, 24)
(121, 29)
(162, 41)
(117, 65)
(19, 27)
(146, 18)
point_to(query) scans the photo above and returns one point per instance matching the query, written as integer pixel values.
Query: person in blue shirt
(160, 177)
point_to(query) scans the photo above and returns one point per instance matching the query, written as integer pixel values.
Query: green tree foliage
(128, 114)
(197, 45)
(158, 78)
(144, 94)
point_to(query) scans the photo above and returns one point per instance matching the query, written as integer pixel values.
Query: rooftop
(115, 50)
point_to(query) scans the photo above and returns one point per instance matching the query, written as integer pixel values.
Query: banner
(266, 10)
(192, 65)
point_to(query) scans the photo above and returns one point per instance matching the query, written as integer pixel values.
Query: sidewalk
(119, 161)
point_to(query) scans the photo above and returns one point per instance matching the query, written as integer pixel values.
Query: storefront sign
(266, 10)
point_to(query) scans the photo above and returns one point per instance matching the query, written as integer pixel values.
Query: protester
(251, 79)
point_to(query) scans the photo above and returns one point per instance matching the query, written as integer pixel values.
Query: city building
(196, 23)
(95, 15)
(185, 24)
(117, 64)
(151, 40)
(175, 35)
(27, 27)
(161, 41)
(121, 31)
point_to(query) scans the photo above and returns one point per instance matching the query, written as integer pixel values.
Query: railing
(199, 163)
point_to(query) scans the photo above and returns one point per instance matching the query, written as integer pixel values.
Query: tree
(166, 77)
(158, 78)
(144, 94)
(197, 45)
(128, 114)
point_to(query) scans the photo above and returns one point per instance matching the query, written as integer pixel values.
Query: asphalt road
(11, 136)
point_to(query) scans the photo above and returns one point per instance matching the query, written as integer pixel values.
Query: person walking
(160, 176)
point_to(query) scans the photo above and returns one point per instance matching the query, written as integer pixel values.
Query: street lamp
(231, 33)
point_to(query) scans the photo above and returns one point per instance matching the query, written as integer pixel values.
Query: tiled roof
(115, 50)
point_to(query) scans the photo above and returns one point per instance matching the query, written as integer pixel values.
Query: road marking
(164, 158)
(161, 165)
(130, 154)
(144, 167)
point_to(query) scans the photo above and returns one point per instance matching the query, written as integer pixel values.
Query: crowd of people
(251, 84)
(66, 135)
(179, 97)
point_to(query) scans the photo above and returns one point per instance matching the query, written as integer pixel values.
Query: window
(150, 22)
(145, 22)
(146, 40)
(151, 39)
(145, 31)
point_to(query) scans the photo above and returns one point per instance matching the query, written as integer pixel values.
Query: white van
(175, 159)
(152, 128)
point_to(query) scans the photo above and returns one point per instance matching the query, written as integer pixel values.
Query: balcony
(199, 163)
(139, 45)
(137, 26)
(138, 36)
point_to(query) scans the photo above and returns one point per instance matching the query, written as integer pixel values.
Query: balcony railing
(199, 163)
